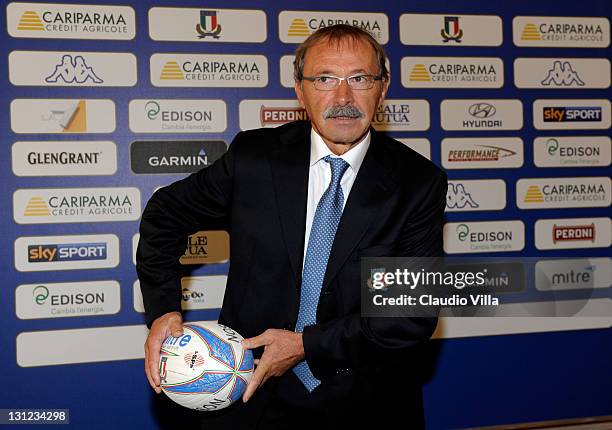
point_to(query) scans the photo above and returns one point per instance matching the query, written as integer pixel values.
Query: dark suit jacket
(259, 187)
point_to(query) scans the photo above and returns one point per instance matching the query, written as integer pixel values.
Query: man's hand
(164, 326)
(283, 349)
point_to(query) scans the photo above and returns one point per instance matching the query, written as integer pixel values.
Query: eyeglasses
(355, 82)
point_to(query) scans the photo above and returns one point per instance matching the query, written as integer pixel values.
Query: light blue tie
(322, 233)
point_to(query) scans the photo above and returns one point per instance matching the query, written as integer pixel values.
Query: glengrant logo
(577, 151)
(571, 114)
(62, 205)
(278, 116)
(475, 195)
(66, 252)
(178, 116)
(451, 30)
(207, 25)
(452, 72)
(296, 26)
(402, 115)
(62, 116)
(460, 153)
(56, 300)
(65, 21)
(53, 68)
(491, 236)
(481, 114)
(64, 158)
(577, 32)
(182, 156)
(563, 192)
(573, 233)
(562, 73)
(202, 70)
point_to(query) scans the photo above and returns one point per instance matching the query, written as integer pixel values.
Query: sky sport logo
(67, 252)
(572, 114)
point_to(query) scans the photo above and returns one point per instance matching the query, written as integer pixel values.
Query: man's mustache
(348, 111)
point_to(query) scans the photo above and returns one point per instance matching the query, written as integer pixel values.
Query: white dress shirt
(319, 175)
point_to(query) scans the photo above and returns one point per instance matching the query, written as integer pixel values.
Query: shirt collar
(354, 156)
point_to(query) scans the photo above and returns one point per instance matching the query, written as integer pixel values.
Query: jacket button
(344, 371)
(289, 327)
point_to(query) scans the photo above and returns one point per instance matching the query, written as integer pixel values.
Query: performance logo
(56, 300)
(203, 70)
(296, 26)
(181, 156)
(66, 252)
(571, 114)
(70, 69)
(461, 153)
(489, 236)
(178, 116)
(576, 32)
(65, 21)
(451, 30)
(65, 205)
(577, 151)
(563, 192)
(573, 233)
(481, 114)
(452, 72)
(475, 195)
(208, 26)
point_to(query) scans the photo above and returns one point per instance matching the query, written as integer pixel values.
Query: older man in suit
(303, 203)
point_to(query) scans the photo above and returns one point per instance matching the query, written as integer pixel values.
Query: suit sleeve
(200, 201)
(352, 341)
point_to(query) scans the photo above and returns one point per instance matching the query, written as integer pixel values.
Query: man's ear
(299, 93)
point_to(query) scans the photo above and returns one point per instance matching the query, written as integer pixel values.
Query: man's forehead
(358, 48)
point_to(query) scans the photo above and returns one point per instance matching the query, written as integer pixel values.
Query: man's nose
(344, 93)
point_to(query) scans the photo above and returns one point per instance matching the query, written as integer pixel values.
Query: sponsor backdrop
(104, 103)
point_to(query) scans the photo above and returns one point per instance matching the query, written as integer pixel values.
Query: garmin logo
(182, 156)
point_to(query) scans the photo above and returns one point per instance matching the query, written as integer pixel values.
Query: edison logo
(534, 195)
(172, 72)
(30, 21)
(419, 74)
(530, 32)
(37, 206)
(298, 28)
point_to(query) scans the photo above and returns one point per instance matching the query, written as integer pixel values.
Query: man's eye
(358, 79)
(324, 79)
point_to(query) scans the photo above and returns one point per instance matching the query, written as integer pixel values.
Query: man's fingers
(176, 329)
(257, 341)
(256, 361)
(256, 381)
(153, 367)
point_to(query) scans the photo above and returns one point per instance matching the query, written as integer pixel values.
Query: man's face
(344, 59)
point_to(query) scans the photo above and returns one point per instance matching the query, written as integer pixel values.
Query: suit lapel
(290, 164)
(373, 185)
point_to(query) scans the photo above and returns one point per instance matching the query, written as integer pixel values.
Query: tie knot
(338, 167)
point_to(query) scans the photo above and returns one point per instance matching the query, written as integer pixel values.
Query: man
(303, 203)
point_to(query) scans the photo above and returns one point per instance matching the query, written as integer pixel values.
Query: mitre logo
(30, 21)
(530, 32)
(419, 73)
(171, 72)
(533, 195)
(298, 28)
